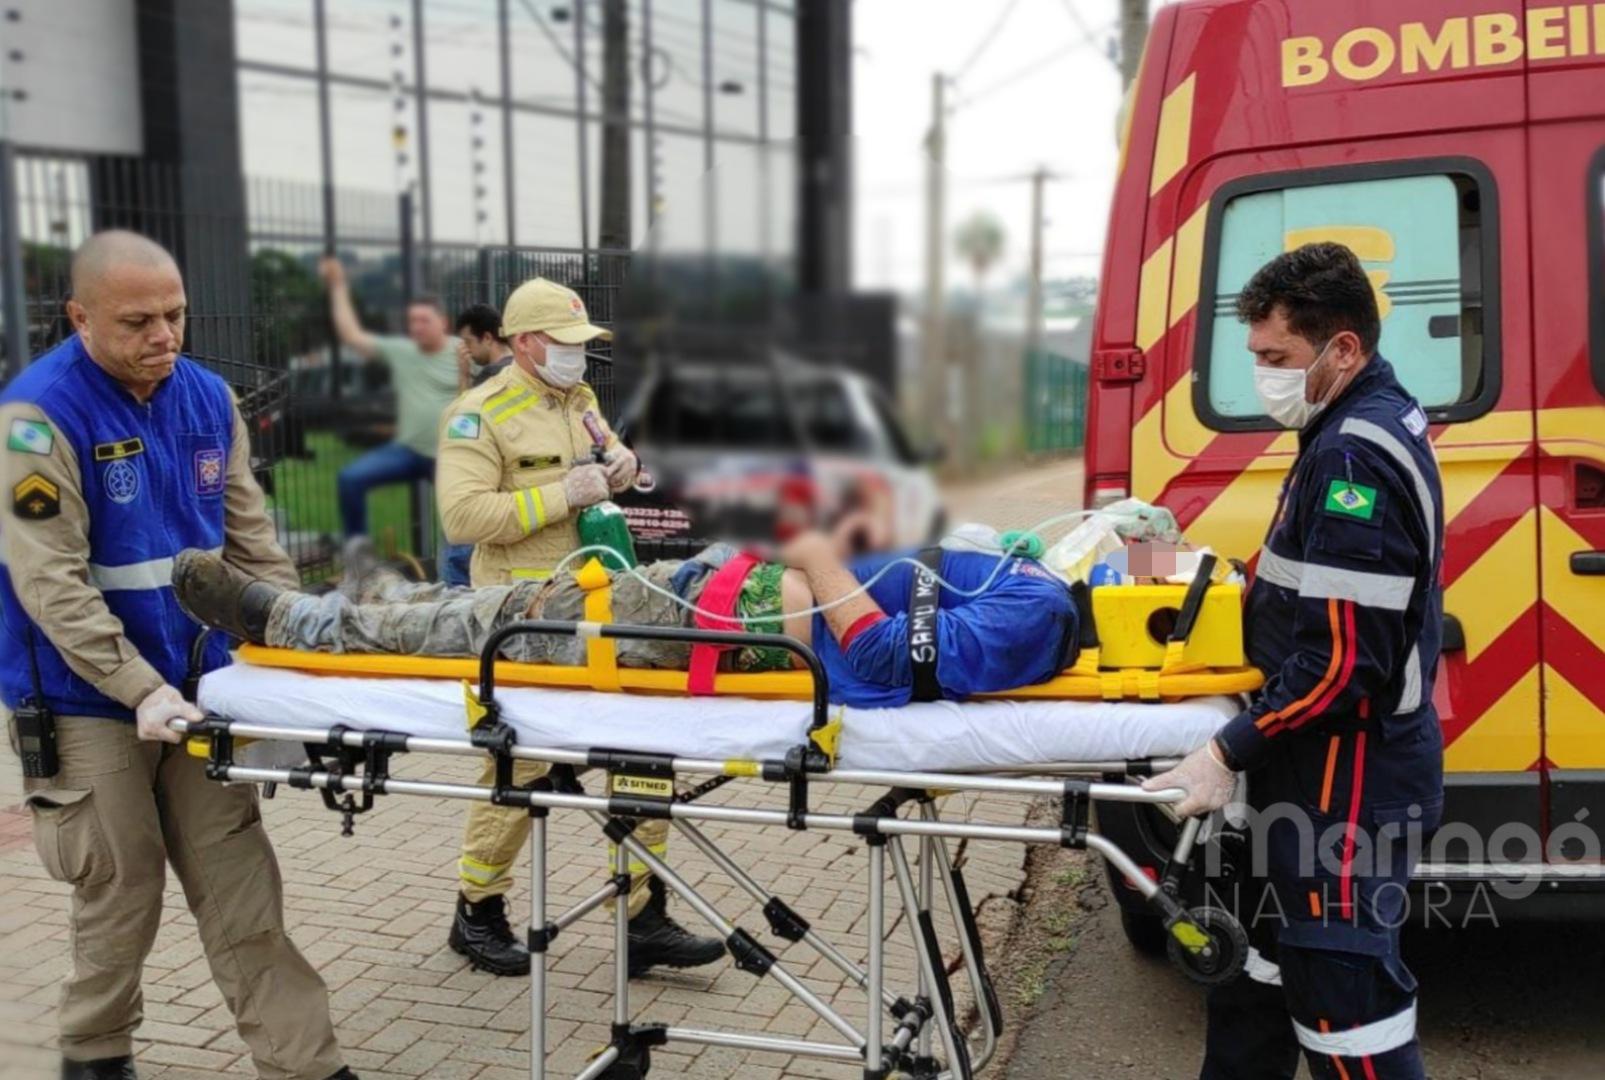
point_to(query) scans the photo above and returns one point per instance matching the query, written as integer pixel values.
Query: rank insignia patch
(30, 437)
(1350, 500)
(35, 499)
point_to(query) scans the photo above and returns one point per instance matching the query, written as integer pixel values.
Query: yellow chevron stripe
(1189, 265)
(1574, 599)
(1235, 522)
(1152, 299)
(1574, 728)
(1579, 425)
(1153, 466)
(1505, 737)
(1498, 588)
(1496, 427)
(1175, 134)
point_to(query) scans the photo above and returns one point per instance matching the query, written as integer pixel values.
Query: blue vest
(152, 477)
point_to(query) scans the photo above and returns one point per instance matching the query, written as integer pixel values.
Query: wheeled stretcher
(1080, 752)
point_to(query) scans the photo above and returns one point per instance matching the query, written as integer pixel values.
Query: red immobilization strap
(719, 598)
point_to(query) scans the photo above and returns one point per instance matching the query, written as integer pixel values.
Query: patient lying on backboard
(905, 638)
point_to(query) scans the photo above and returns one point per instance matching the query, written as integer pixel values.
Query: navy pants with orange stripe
(1340, 819)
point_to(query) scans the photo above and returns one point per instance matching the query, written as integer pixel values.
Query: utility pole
(614, 232)
(936, 373)
(504, 36)
(1133, 36)
(1039, 225)
(421, 88)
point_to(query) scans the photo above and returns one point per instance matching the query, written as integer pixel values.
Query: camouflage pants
(384, 613)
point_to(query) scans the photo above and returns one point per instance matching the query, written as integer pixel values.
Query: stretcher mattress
(932, 736)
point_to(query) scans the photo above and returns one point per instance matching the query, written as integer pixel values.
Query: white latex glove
(621, 468)
(1204, 776)
(161, 705)
(585, 485)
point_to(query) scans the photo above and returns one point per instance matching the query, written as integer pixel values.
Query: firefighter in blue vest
(1343, 748)
(120, 452)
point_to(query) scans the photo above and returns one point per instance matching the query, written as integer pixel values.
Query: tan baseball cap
(539, 304)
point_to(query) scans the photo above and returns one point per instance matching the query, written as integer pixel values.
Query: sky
(1039, 94)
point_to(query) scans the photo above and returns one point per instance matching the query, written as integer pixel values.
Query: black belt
(923, 602)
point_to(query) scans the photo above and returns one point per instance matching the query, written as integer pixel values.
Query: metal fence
(259, 313)
(1055, 403)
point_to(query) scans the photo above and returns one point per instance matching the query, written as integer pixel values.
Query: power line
(1023, 73)
(1087, 32)
(986, 40)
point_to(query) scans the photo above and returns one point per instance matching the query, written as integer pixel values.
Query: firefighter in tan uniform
(119, 453)
(514, 470)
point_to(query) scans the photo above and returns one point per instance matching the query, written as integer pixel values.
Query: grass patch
(305, 490)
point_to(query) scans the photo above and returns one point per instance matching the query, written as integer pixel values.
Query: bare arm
(830, 580)
(346, 324)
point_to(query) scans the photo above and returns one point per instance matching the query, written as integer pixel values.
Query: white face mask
(565, 365)
(1282, 392)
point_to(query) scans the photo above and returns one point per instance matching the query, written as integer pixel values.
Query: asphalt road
(1521, 1002)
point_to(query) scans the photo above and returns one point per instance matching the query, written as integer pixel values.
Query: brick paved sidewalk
(372, 912)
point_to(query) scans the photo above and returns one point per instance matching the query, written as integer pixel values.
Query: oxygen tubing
(1021, 541)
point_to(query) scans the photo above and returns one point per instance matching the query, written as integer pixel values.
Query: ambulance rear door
(1426, 180)
(1567, 148)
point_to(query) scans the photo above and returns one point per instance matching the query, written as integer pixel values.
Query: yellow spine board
(1076, 682)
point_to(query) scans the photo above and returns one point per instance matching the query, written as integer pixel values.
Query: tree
(980, 241)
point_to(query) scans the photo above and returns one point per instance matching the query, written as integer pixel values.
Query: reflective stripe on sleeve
(1390, 592)
(1371, 433)
(150, 574)
(1262, 970)
(531, 509)
(1279, 570)
(1367, 1040)
(1410, 699)
(531, 575)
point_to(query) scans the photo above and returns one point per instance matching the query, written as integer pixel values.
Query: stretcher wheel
(1218, 961)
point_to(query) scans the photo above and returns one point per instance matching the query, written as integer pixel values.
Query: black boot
(116, 1068)
(345, 1073)
(657, 940)
(214, 593)
(481, 933)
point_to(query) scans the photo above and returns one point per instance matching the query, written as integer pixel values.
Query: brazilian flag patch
(1351, 500)
(463, 426)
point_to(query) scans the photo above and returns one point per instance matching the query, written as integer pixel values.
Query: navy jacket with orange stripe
(1345, 613)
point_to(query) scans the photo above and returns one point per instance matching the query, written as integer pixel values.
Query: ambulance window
(1421, 238)
(1596, 265)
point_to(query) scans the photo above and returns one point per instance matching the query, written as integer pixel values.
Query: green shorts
(760, 600)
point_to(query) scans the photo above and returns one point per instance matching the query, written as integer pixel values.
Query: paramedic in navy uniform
(1345, 618)
(119, 453)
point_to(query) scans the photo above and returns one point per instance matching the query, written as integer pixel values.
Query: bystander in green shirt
(425, 383)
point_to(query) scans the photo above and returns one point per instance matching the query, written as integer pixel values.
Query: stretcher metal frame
(915, 1035)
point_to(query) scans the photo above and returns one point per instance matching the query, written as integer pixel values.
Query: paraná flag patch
(463, 426)
(30, 437)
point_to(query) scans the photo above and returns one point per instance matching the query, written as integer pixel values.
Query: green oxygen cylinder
(604, 525)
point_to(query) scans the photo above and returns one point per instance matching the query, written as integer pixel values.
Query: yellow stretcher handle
(601, 654)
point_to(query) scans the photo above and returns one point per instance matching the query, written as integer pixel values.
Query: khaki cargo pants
(108, 824)
(386, 614)
(493, 836)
